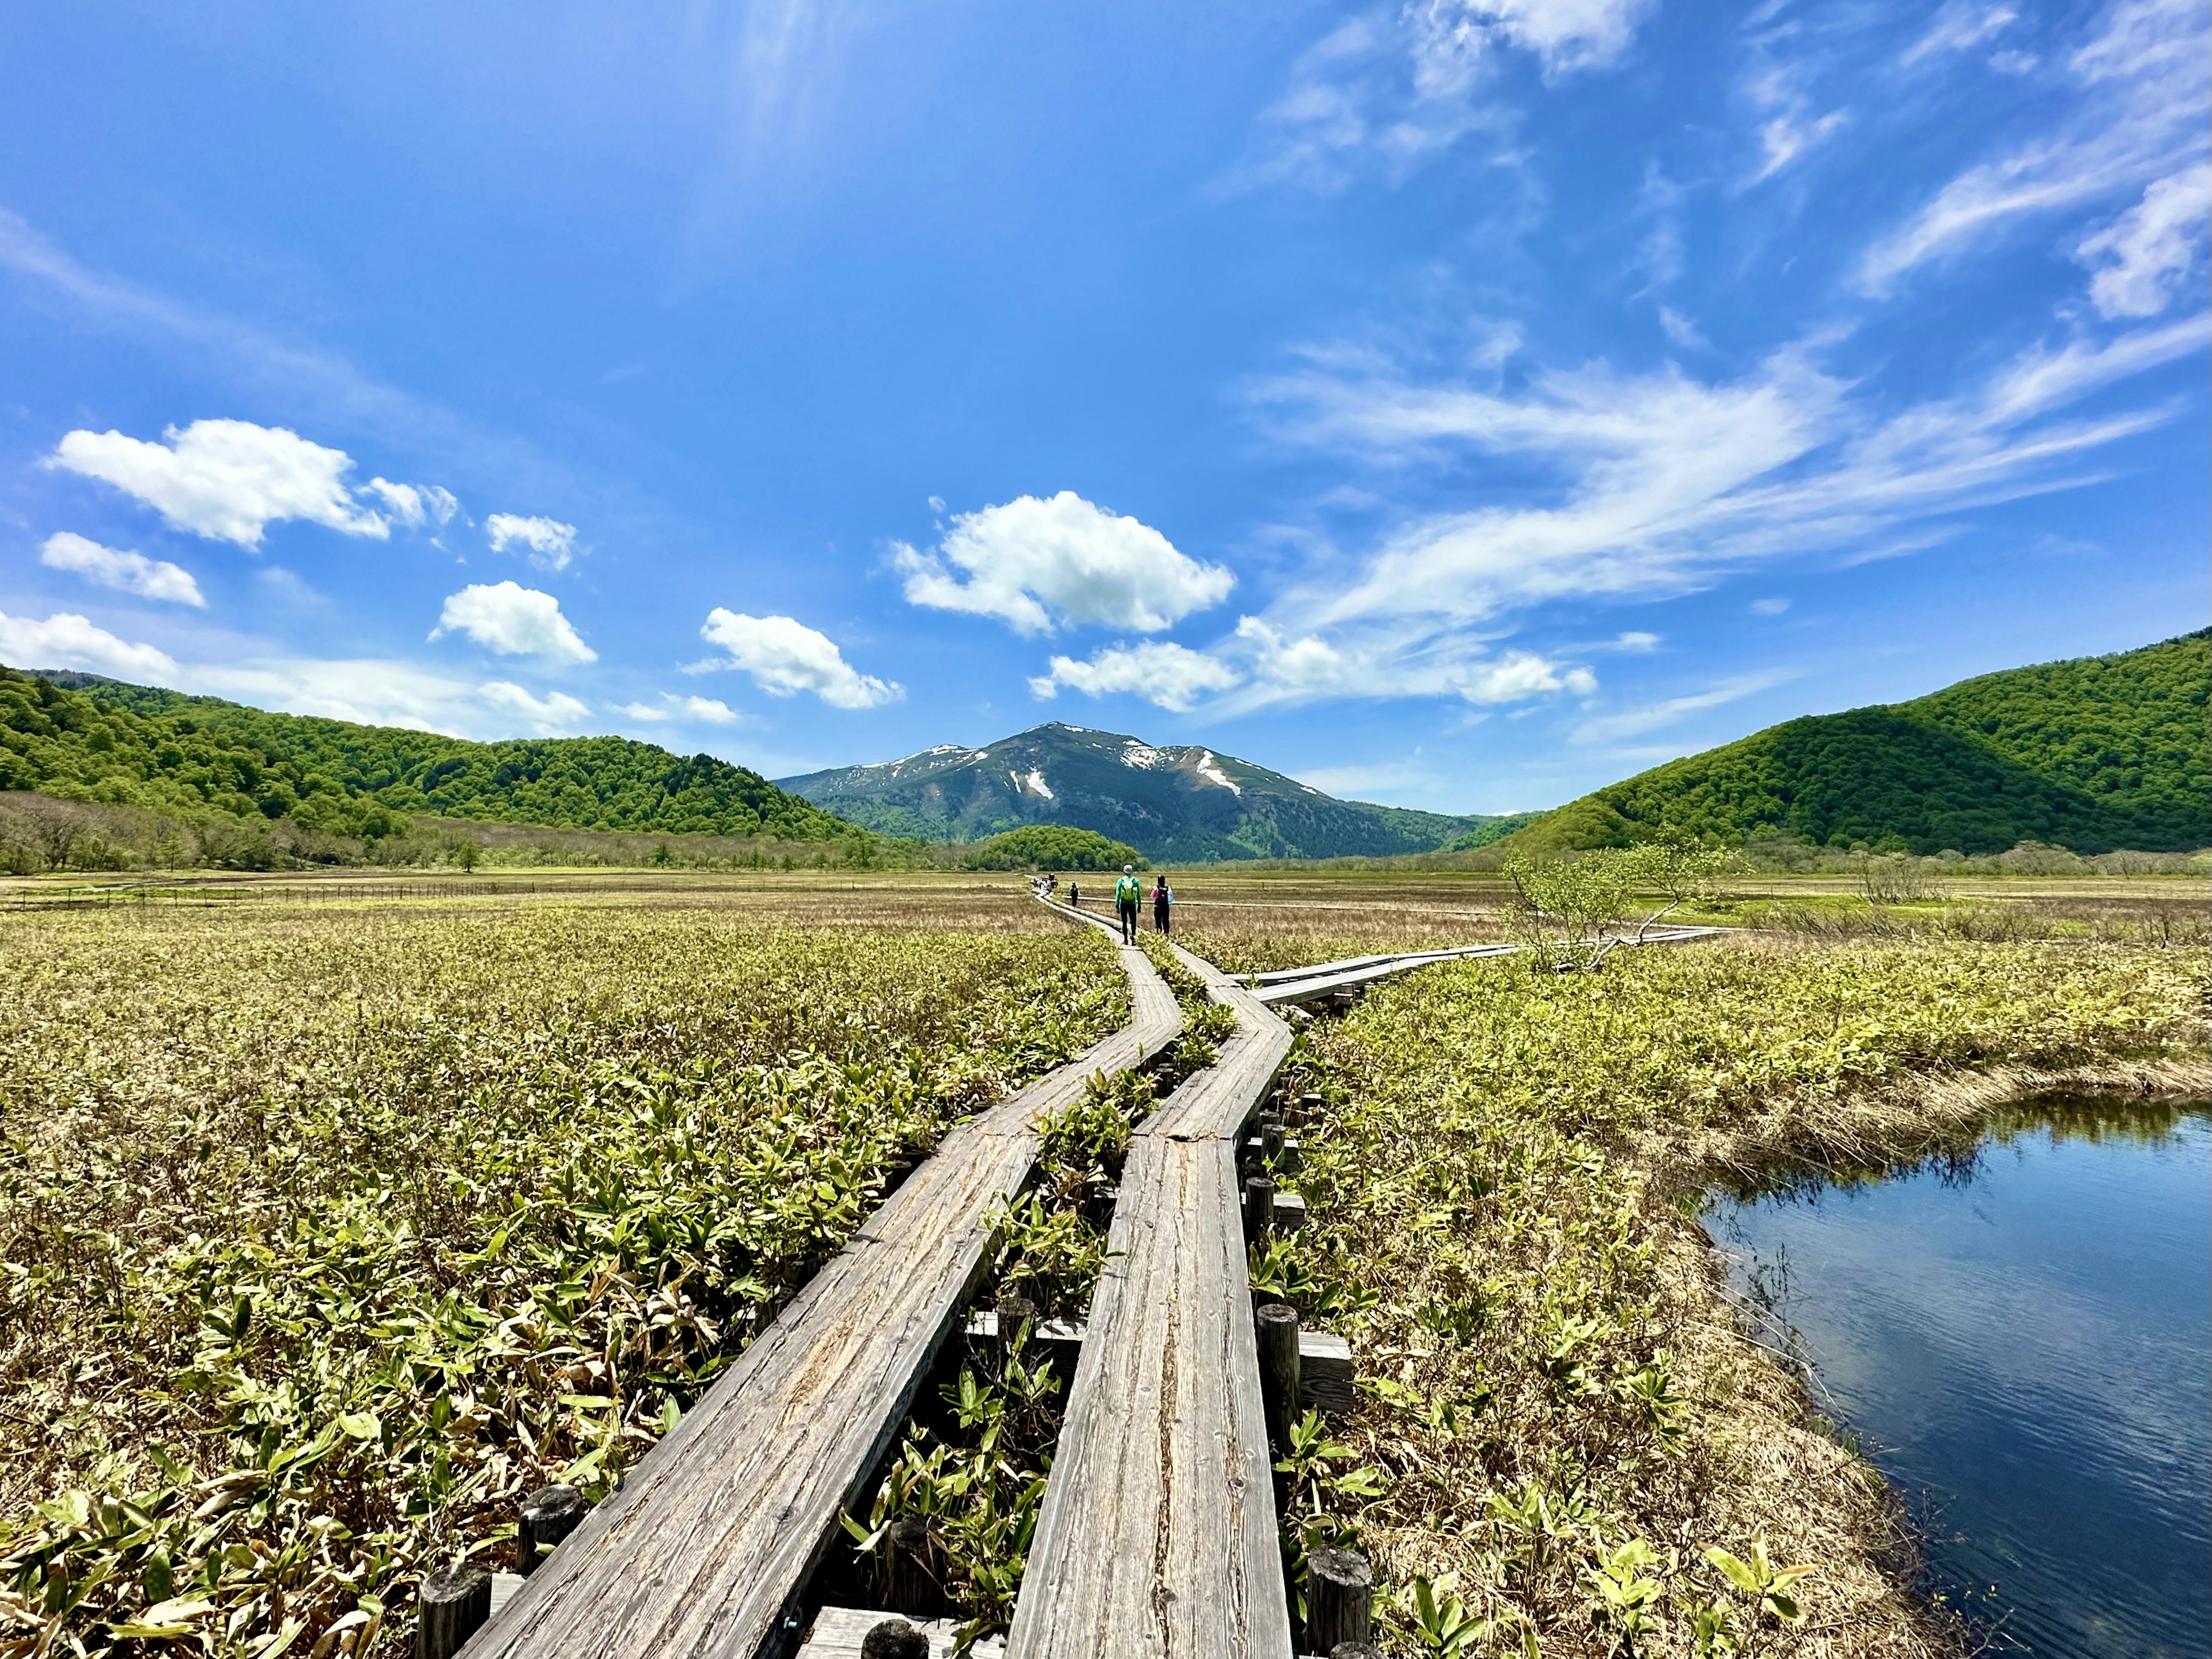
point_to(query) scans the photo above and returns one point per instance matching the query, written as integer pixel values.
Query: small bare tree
(1897, 879)
(56, 835)
(1569, 909)
(1565, 907)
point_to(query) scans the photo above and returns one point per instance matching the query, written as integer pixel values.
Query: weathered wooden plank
(707, 1547)
(1303, 990)
(838, 1633)
(1157, 1534)
(1316, 989)
(1285, 976)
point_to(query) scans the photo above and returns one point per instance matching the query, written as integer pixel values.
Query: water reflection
(2019, 1333)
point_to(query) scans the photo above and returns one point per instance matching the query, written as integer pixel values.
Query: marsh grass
(329, 1230)
(1575, 1446)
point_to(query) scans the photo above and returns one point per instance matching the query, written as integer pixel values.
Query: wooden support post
(454, 1608)
(1271, 1140)
(895, 1639)
(549, 1514)
(1277, 1325)
(1339, 1589)
(1012, 1312)
(1324, 1371)
(910, 1585)
(1309, 1104)
(1259, 1208)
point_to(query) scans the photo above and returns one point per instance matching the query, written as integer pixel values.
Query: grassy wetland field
(336, 1213)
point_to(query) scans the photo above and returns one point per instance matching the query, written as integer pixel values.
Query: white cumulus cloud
(514, 621)
(548, 716)
(416, 505)
(785, 656)
(712, 710)
(549, 543)
(2144, 253)
(1040, 564)
(226, 480)
(1168, 675)
(66, 640)
(1520, 675)
(113, 567)
(670, 707)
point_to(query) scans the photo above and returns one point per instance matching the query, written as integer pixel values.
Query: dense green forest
(84, 738)
(2093, 754)
(1053, 847)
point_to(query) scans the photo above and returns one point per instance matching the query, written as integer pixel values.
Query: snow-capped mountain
(1179, 804)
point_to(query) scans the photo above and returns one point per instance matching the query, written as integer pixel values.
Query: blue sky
(1459, 407)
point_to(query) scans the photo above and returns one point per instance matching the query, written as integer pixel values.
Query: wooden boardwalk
(1312, 984)
(1157, 1535)
(707, 1549)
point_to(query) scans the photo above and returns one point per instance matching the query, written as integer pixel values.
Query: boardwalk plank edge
(1157, 1535)
(707, 1549)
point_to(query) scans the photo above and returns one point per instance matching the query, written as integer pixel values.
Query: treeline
(44, 834)
(81, 737)
(1051, 846)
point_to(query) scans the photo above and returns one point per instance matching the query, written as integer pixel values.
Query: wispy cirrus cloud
(1960, 27)
(1386, 89)
(1659, 484)
(1653, 716)
(2140, 84)
(2141, 257)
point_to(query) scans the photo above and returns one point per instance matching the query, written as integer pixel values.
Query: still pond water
(2022, 1344)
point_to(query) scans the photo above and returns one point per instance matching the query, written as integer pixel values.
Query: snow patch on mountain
(1208, 768)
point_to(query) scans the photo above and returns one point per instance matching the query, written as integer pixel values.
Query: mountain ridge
(1180, 802)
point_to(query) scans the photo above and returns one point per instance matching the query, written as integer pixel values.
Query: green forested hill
(2091, 754)
(133, 745)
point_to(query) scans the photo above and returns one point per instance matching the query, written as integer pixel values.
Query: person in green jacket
(1127, 891)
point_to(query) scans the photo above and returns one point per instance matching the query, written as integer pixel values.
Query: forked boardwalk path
(1324, 979)
(1157, 1535)
(707, 1549)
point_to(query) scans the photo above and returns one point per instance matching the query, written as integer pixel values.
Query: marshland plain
(338, 1211)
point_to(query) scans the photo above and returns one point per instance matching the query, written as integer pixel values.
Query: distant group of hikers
(1128, 894)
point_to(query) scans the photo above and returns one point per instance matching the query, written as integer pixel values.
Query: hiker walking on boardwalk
(1125, 902)
(1163, 899)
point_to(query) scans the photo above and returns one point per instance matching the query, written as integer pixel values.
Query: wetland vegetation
(339, 1211)
(330, 1231)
